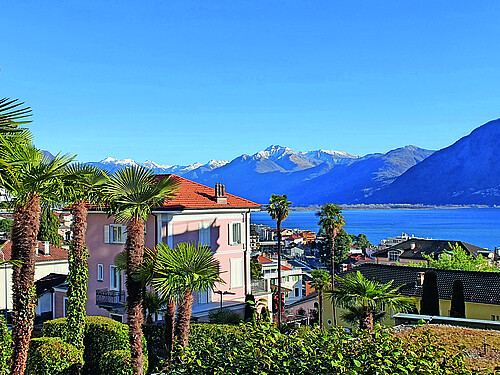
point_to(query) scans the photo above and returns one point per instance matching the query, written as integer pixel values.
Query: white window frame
(204, 233)
(393, 254)
(232, 241)
(113, 272)
(205, 296)
(100, 272)
(109, 231)
(236, 280)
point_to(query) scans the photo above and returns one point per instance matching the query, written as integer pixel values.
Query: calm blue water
(478, 226)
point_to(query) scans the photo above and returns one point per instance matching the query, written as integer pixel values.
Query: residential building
(197, 214)
(482, 300)
(391, 241)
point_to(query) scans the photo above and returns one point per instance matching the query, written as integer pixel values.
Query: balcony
(109, 299)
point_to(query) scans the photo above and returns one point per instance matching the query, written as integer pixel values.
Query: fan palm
(83, 185)
(178, 273)
(320, 282)
(278, 210)
(131, 194)
(31, 179)
(368, 298)
(11, 111)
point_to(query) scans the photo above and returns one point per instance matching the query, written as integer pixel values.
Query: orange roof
(264, 260)
(285, 268)
(194, 195)
(56, 253)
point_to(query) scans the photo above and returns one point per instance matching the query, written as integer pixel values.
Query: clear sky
(184, 81)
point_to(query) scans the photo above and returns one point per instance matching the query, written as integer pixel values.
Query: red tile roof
(264, 260)
(56, 253)
(286, 268)
(194, 195)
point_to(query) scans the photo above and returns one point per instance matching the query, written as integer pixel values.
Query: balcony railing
(260, 287)
(109, 298)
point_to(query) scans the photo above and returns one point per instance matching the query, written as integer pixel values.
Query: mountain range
(466, 172)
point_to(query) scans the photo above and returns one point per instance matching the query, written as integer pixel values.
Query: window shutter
(106, 234)
(124, 233)
(230, 233)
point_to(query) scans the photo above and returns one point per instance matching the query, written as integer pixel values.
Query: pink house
(197, 214)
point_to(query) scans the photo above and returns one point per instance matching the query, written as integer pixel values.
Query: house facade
(198, 214)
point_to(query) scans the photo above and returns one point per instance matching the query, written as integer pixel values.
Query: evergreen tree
(457, 309)
(429, 305)
(343, 243)
(49, 225)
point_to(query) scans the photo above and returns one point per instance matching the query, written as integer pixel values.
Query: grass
(455, 338)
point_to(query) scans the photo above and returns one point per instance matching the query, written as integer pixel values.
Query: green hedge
(102, 335)
(116, 362)
(262, 349)
(53, 356)
(5, 347)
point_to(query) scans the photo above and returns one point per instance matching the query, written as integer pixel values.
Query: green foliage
(224, 316)
(457, 308)
(154, 335)
(11, 112)
(101, 335)
(361, 241)
(343, 243)
(330, 219)
(458, 259)
(52, 356)
(250, 308)
(5, 347)
(262, 349)
(49, 225)
(116, 362)
(256, 269)
(6, 226)
(429, 304)
(278, 207)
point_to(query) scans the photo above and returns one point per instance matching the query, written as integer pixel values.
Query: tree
(343, 242)
(49, 227)
(331, 222)
(179, 272)
(368, 298)
(33, 180)
(6, 226)
(131, 194)
(457, 309)
(321, 281)
(82, 187)
(361, 241)
(458, 259)
(256, 269)
(429, 304)
(278, 210)
(11, 111)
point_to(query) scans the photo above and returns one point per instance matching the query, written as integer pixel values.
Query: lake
(477, 226)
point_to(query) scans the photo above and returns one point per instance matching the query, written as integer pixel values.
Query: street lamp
(221, 294)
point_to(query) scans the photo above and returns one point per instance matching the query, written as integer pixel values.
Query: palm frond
(11, 112)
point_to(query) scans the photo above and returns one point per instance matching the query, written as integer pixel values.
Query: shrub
(155, 338)
(102, 335)
(116, 362)
(52, 356)
(224, 316)
(5, 347)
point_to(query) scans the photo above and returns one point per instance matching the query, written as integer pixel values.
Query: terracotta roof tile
(264, 260)
(56, 253)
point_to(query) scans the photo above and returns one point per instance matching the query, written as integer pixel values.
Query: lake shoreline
(388, 207)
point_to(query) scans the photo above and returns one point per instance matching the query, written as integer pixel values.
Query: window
(115, 278)
(236, 272)
(297, 292)
(100, 272)
(118, 318)
(393, 256)
(235, 233)
(205, 296)
(115, 233)
(204, 234)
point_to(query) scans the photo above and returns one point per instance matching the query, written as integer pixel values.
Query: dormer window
(393, 256)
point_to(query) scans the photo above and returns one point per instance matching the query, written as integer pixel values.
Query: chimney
(220, 193)
(46, 248)
(412, 246)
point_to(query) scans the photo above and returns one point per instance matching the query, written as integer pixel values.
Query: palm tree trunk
(135, 247)
(24, 245)
(333, 235)
(169, 329)
(184, 318)
(366, 321)
(78, 276)
(320, 298)
(279, 273)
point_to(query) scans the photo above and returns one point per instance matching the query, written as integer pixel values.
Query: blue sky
(184, 81)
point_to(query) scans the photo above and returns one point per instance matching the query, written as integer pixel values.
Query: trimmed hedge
(116, 362)
(102, 335)
(53, 356)
(5, 347)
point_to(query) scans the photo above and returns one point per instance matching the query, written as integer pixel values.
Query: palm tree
(320, 282)
(82, 187)
(278, 210)
(11, 111)
(368, 298)
(32, 180)
(131, 193)
(179, 272)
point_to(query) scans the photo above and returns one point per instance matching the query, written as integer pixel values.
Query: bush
(224, 316)
(262, 349)
(116, 362)
(5, 347)
(155, 338)
(102, 335)
(52, 356)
